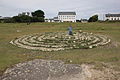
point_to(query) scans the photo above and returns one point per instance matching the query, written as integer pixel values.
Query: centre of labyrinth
(55, 41)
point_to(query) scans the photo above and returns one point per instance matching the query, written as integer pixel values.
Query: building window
(118, 19)
(111, 18)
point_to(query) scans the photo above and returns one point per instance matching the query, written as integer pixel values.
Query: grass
(10, 54)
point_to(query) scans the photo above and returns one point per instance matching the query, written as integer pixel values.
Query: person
(70, 30)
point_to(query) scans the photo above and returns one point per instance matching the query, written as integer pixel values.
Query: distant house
(113, 17)
(55, 19)
(49, 20)
(67, 16)
(0, 17)
(84, 20)
(4, 19)
(25, 13)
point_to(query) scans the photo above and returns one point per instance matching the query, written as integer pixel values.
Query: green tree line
(36, 16)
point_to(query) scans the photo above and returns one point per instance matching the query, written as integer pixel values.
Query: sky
(83, 8)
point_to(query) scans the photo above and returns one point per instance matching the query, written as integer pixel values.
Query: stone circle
(56, 41)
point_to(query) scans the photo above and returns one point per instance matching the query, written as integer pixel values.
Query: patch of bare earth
(56, 70)
(113, 43)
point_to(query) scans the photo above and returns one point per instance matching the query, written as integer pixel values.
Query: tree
(38, 16)
(37, 19)
(38, 13)
(22, 18)
(9, 20)
(25, 18)
(94, 18)
(16, 18)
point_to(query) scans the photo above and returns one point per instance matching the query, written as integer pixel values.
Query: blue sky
(83, 8)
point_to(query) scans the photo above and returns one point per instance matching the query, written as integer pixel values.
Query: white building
(0, 17)
(49, 20)
(67, 16)
(25, 13)
(55, 19)
(113, 17)
(84, 20)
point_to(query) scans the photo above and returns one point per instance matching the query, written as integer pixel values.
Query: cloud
(84, 8)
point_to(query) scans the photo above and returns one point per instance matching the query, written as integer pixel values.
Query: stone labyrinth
(55, 41)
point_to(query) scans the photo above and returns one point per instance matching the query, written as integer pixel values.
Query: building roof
(67, 13)
(112, 15)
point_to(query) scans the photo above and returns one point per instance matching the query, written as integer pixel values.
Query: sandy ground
(56, 70)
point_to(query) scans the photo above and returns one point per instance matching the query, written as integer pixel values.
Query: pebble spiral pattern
(55, 41)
